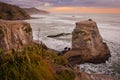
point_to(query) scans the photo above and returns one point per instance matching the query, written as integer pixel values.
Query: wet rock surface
(86, 76)
(59, 35)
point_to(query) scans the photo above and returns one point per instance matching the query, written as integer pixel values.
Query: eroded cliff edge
(21, 58)
(14, 34)
(34, 62)
(87, 44)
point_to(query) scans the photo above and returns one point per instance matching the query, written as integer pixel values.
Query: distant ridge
(35, 11)
(12, 12)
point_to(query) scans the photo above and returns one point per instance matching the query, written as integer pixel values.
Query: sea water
(52, 24)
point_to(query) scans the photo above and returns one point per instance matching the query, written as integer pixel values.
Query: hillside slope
(12, 12)
(35, 11)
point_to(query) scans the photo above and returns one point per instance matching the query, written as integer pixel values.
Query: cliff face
(12, 12)
(35, 11)
(20, 54)
(87, 44)
(14, 34)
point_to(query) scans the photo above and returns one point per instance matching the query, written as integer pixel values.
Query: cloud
(24, 3)
(89, 3)
(84, 10)
(70, 3)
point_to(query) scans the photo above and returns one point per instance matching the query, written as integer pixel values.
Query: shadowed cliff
(35, 11)
(12, 12)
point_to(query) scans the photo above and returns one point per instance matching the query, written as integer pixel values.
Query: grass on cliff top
(33, 63)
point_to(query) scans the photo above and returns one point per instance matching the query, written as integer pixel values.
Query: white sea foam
(108, 25)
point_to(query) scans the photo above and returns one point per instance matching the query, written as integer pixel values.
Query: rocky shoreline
(25, 38)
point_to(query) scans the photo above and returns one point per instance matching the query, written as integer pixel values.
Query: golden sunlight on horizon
(83, 10)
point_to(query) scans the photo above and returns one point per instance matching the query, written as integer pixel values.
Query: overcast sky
(98, 6)
(54, 3)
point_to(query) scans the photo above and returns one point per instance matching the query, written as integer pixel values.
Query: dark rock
(89, 19)
(66, 49)
(59, 35)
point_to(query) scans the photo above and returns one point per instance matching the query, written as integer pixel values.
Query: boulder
(14, 34)
(87, 44)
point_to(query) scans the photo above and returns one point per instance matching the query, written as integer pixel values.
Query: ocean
(52, 24)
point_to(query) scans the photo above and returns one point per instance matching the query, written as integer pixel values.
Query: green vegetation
(33, 63)
(80, 31)
(12, 12)
(65, 75)
(75, 36)
(1, 51)
(1, 32)
(2, 15)
(116, 68)
(28, 29)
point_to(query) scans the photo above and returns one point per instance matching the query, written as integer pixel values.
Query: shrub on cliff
(33, 63)
(25, 65)
(65, 75)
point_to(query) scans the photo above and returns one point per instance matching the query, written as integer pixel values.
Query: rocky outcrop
(12, 12)
(87, 44)
(35, 11)
(59, 35)
(14, 34)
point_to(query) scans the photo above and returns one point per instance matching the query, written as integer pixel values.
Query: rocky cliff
(19, 54)
(87, 44)
(35, 11)
(14, 34)
(12, 12)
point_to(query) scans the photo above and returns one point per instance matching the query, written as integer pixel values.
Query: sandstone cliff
(14, 34)
(35, 11)
(12, 12)
(27, 57)
(87, 44)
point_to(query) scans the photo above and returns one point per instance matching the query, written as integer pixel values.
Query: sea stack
(87, 44)
(14, 34)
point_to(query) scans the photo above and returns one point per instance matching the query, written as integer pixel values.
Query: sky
(83, 6)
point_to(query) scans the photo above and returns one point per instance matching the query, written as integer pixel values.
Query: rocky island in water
(23, 58)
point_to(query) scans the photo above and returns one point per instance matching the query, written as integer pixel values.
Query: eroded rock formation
(14, 34)
(87, 44)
